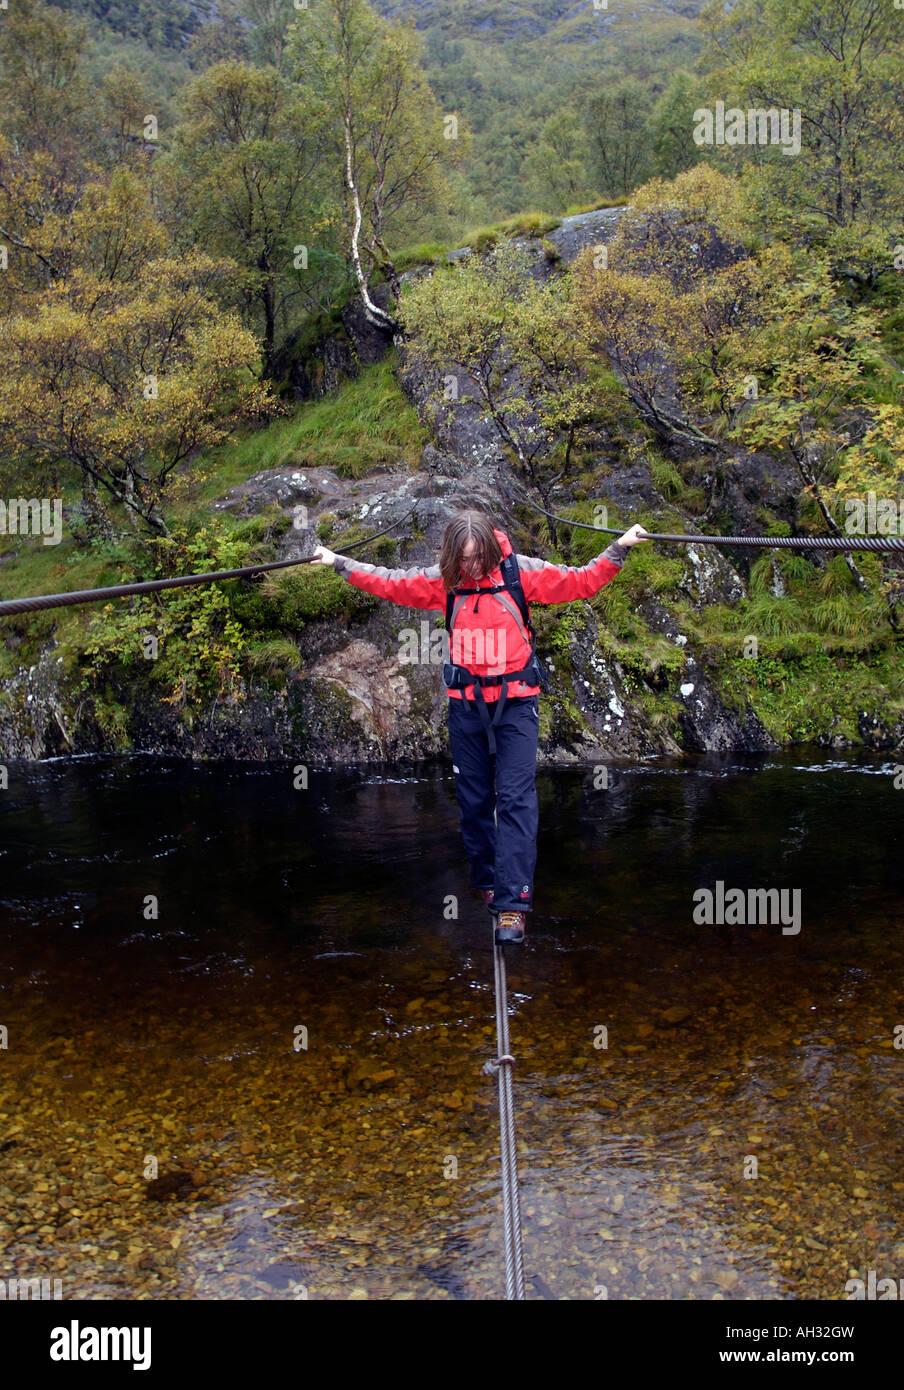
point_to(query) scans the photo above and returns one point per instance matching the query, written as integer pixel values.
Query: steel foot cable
(502, 1069)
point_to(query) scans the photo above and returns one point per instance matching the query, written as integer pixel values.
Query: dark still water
(166, 1133)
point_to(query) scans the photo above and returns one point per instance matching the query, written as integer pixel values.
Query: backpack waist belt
(459, 678)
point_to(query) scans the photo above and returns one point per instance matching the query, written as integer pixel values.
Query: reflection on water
(359, 1158)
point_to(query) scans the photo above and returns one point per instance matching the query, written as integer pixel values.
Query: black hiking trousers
(501, 849)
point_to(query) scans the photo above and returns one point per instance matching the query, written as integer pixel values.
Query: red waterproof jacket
(488, 635)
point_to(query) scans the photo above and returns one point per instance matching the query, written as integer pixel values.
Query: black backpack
(511, 580)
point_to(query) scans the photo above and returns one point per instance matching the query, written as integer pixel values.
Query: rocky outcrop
(584, 229)
(460, 427)
(33, 722)
(339, 355)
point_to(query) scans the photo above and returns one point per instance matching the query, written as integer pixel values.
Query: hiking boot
(510, 926)
(488, 898)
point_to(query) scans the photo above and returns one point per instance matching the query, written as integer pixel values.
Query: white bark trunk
(373, 312)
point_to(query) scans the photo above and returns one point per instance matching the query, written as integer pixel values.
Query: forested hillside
(532, 81)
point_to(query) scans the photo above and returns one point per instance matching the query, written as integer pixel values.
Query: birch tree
(392, 144)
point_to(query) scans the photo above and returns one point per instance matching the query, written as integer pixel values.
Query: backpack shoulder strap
(512, 579)
(452, 595)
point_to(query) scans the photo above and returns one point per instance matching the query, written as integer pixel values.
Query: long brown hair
(464, 526)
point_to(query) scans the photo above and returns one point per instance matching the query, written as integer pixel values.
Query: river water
(246, 1023)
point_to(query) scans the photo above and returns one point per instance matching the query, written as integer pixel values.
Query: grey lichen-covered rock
(340, 355)
(567, 239)
(584, 229)
(277, 487)
(33, 722)
(708, 726)
(709, 577)
(614, 724)
(459, 426)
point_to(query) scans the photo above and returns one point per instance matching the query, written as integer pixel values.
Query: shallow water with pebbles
(167, 1130)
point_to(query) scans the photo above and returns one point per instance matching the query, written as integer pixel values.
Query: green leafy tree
(391, 146)
(43, 89)
(874, 464)
(46, 138)
(247, 172)
(127, 366)
(808, 355)
(876, 461)
(557, 167)
(125, 102)
(840, 64)
(223, 39)
(200, 643)
(270, 25)
(671, 126)
(620, 139)
(658, 316)
(701, 191)
(763, 352)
